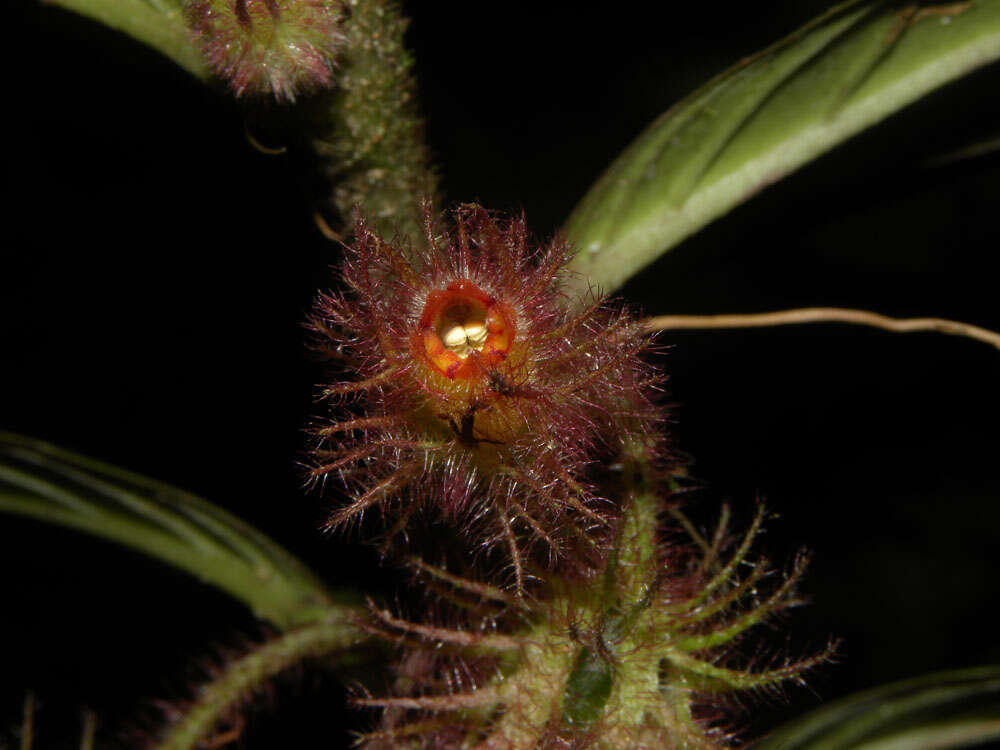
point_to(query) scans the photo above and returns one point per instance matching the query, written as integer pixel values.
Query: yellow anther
(455, 338)
(476, 333)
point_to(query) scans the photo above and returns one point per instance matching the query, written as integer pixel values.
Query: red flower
(480, 392)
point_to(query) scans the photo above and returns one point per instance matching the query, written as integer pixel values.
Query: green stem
(629, 579)
(158, 25)
(636, 548)
(374, 143)
(240, 678)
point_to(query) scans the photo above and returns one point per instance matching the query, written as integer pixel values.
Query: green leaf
(767, 116)
(158, 23)
(588, 688)
(948, 709)
(48, 483)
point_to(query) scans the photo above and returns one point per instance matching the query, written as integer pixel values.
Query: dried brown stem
(822, 315)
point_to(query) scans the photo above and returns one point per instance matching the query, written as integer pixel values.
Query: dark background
(156, 270)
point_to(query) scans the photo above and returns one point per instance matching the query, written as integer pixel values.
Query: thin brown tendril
(822, 315)
(269, 150)
(325, 229)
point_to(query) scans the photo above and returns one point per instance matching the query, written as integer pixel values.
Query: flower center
(463, 329)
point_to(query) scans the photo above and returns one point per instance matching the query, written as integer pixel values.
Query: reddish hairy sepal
(499, 433)
(279, 47)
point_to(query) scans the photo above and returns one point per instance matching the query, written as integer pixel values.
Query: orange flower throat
(465, 330)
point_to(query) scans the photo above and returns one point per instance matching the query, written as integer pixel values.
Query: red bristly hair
(279, 47)
(478, 392)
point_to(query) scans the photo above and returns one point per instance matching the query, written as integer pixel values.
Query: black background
(156, 270)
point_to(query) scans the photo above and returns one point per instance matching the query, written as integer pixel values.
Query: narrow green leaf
(767, 116)
(48, 483)
(948, 709)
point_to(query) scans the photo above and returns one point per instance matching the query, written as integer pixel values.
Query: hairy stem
(637, 547)
(374, 144)
(241, 677)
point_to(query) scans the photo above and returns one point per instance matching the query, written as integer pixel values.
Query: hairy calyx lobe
(279, 47)
(479, 391)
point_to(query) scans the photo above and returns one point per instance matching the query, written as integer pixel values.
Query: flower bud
(260, 46)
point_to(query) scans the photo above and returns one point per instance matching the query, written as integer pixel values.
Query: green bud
(281, 47)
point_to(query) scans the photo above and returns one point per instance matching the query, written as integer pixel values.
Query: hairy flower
(646, 654)
(480, 392)
(268, 46)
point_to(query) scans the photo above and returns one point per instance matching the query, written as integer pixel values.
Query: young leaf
(767, 116)
(48, 483)
(947, 709)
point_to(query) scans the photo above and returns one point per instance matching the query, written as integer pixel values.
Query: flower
(479, 392)
(647, 653)
(268, 46)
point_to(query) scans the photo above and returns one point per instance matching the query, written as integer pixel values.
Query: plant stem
(241, 677)
(89, 730)
(637, 548)
(159, 25)
(28, 723)
(823, 315)
(375, 142)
